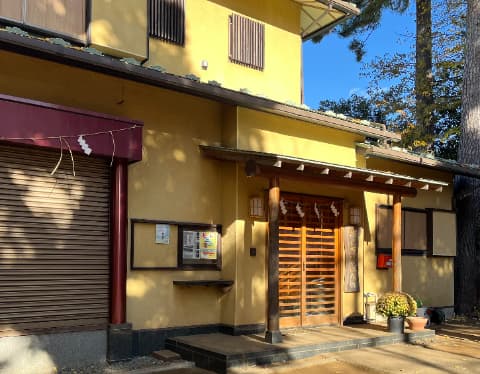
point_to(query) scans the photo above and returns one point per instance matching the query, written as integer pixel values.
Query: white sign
(162, 234)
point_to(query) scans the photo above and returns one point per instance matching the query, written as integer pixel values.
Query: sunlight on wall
(179, 155)
(139, 286)
(104, 32)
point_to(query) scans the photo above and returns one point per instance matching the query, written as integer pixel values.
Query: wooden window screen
(414, 230)
(246, 42)
(65, 17)
(167, 20)
(442, 230)
(11, 10)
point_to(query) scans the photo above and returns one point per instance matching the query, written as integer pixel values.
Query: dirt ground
(455, 349)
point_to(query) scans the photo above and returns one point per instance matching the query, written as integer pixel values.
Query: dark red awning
(30, 122)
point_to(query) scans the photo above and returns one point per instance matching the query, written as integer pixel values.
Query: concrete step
(219, 352)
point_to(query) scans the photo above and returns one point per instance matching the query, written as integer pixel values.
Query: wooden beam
(397, 243)
(273, 334)
(255, 169)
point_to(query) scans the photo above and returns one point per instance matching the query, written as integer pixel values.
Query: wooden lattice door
(308, 260)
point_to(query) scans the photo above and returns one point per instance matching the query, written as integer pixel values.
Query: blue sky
(330, 68)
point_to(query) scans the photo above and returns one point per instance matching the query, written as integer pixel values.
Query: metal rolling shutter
(54, 241)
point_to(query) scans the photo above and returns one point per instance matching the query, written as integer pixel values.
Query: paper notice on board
(162, 234)
(190, 244)
(208, 245)
(208, 240)
(208, 254)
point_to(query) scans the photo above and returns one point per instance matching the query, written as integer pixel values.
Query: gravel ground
(118, 367)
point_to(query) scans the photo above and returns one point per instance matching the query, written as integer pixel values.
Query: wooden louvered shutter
(290, 267)
(247, 42)
(54, 241)
(321, 263)
(167, 20)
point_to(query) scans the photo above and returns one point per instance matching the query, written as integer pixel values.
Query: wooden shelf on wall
(225, 285)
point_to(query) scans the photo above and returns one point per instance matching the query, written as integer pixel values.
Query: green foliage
(419, 301)
(396, 304)
(368, 20)
(392, 80)
(356, 107)
(391, 93)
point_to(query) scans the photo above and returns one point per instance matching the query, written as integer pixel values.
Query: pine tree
(467, 190)
(393, 82)
(369, 20)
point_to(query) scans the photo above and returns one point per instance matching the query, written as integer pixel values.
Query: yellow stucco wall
(206, 38)
(430, 278)
(264, 132)
(174, 182)
(119, 28)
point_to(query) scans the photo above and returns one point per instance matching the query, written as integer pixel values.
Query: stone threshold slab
(219, 352)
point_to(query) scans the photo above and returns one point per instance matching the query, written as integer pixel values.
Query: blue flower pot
(396, 325)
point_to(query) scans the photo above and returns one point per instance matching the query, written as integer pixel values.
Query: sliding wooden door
(308, 260)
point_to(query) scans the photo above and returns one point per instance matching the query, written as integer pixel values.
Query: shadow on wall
(170, 55)
(43, 282)
(265, 11)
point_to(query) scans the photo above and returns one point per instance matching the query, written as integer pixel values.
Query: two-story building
(161, 176)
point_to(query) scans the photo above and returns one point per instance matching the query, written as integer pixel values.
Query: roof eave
(343, 6)
(108, 65)
(348, 9)
(325, 30)
(347, 176)
(417, 160)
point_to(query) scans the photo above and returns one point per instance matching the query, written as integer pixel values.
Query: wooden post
(273, 334)
(119, 243)
(397, 243)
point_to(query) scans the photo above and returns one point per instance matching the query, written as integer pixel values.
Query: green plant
(419, 301)
(396, 304)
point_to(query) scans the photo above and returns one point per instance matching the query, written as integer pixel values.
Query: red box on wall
(384, 261)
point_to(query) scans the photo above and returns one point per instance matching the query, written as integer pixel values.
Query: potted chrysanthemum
(396, 306)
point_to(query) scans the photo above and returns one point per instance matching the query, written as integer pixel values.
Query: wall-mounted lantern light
(257, 207)
(355, 217)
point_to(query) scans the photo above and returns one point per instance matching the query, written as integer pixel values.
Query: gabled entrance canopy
(270, 164)
(274, 167)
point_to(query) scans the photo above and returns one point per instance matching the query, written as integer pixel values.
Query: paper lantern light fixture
(355, 215)
(257, 207)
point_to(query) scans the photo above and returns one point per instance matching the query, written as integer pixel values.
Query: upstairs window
(167, 20)
(62, 17)
(246, 42)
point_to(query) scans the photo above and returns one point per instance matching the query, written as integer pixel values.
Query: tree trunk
(467, 190)
(423, 68)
